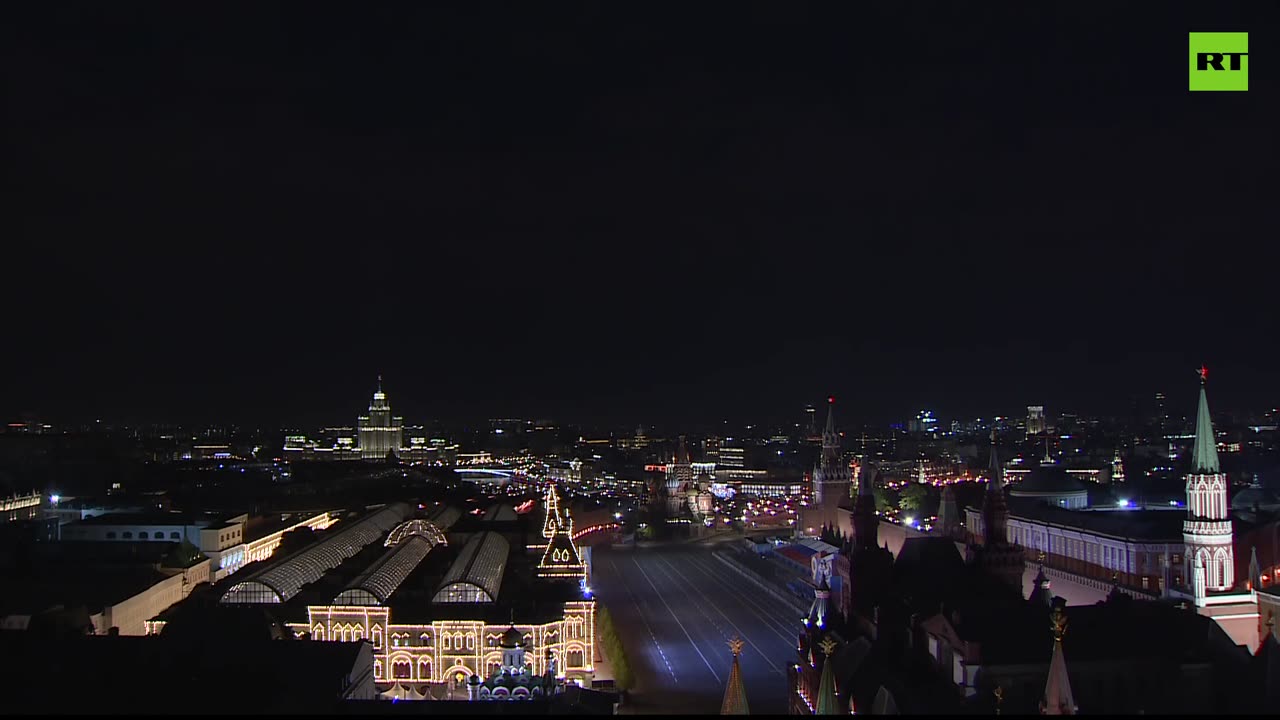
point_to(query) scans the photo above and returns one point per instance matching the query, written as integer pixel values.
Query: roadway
(675, 608)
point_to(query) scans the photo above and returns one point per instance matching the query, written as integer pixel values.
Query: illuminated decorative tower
(735, 693)
(831, 476)
(379, 432)
(560, 559)
(1206, 532)
(1117, 468)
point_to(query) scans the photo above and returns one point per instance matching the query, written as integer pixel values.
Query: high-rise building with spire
(380, 433)
(832, 478)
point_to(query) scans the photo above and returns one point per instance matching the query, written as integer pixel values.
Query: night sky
(631, 212)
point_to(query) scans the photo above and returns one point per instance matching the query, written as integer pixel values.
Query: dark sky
(631, 211)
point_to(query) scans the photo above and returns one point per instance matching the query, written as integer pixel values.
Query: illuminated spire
(1057, 690)
(379, 382)
(828, 703)
(1204, 453)
(735, 693)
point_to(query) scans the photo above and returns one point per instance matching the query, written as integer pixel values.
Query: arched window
(142, 535)
(377, 636)
(457, 641)
(111, 535)
(575, 658)
(127, 535)
(377, 669)
(447, 644)
(402, 670)
(471, 641)
(317, 632)
(174, 536)
(425, 639)
(424, 669)
(342, 633)
(357, 633)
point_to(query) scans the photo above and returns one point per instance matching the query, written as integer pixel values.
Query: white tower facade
(1206, 532)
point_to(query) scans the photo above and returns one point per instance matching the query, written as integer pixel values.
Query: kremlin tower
(831, 478)
(1207, 530)
(997, 556)
(1209, 540)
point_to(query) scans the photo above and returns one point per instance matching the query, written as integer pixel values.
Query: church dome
(512, 638)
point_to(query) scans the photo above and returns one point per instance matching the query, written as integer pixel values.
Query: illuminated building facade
(380, 432)
(1035, 420)
(456, 635)
(375, 435)
(20, 507)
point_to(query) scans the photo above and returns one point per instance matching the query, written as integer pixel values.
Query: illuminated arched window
(445, 638)
(357, 633)
(424, 669)
(457, 641)
(317, 632)
(377, 636)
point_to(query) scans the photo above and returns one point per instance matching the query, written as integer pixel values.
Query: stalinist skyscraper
(379, 432)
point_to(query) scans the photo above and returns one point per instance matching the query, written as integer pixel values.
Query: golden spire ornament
(828, 645)
(735, 644)
(1058, 623)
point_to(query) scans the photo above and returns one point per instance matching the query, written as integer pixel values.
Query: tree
(913, 497)
(886, 497)
(623, 677)
(295, 539)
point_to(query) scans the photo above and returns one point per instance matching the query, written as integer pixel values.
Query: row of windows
(142, 535)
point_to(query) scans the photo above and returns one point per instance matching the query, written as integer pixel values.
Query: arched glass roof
(415, 528)
(375, 585)
(285, 578)
(476, 575)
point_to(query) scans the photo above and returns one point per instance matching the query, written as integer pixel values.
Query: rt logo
(1219, 61)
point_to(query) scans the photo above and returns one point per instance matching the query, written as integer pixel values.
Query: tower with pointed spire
(560, 558)
(828, 699)
(1057, 688)
(379, 432)
(832, 477)
(735, 693)
(997, 556)
(1206, 532)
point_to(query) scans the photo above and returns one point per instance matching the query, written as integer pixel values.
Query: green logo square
(1219, 61)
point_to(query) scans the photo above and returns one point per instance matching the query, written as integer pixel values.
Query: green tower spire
(828, 704)
(1204, 454)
